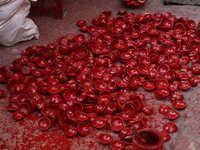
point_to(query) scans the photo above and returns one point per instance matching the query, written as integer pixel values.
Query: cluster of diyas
(83, 83)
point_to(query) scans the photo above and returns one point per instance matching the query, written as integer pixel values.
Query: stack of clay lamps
(92, 83)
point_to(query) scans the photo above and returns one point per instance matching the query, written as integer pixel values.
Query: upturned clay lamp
(148, 139)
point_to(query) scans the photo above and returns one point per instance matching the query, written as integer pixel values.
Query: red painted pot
(153, 139)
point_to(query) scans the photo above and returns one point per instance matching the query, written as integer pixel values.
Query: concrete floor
(25, 135)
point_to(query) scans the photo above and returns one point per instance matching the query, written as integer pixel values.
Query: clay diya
(24, 108)
(147, 109)
(83, 128)
(161, 83)
(171, 114)
(111, 108)
(21, 98)
(120, 97)
(149, 86)
(71, 131)
(99, 123)
(162, 93)
(18, 115)
(101, 108)
(81, 22)
(13, 107)
(130, 108)
(117, 145)
(170, 127)
(81, 116)
(100, 86)
(116, 124)
(179, 104)
(166, 136)
(135, 79)
(125, 115)
(44, 123)
(105, 138)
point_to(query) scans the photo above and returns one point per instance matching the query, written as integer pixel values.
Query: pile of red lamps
(92, 83)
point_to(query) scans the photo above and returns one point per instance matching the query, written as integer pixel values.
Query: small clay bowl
(116, 124)
(81, 22)
(170, 127)
(69, 95)
(128, 139)
(162, 83)
(122, 83)
(80, 38)
(125, 115)
(166, 136)
(124, 132)
(56, 99)
(100, 86)
(21, 98)
(18, 115)
(104, 93)
(44, 123)
(91, 97)
(146, 123)
(179, 28)
(13, 106)
(53, 89)
(131, 71)
(176, 96)
(190, 24)
(92, 116)
(13, 98)
(99, 123)
(135, 79)
(86, 83)
(152, 31)
(170, 76)
(117, 145)
(24, 108)
(163, 69)
(37, 72)
(135, 34)
(162, 93)
(77, 107)
(70, 131)
(97, 74)
(168, 24)
(120, 97)
(184, 85)
(26, 70)
(105, 138)
(149, 86)
(89, 108)
(122, 12)
(83, 128)
(108, 117)
(179, 105)
(171, 114)
(41, 62)
(101, 108)
(130, 108)
(81, 116)
(111, 108)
